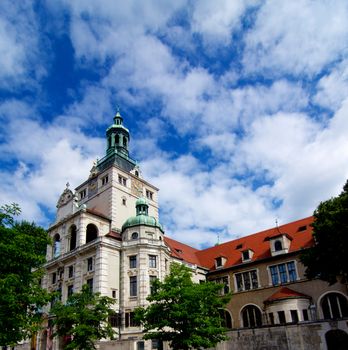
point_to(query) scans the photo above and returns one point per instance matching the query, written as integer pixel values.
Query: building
(107, 234)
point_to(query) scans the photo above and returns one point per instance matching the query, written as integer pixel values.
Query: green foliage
(85, 318)
(22, 251)
(183, 312)
(328, 258)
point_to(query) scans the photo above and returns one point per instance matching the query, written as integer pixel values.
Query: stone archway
(336, 339)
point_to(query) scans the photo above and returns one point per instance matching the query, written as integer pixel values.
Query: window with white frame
(133, 286)
(105, 180)
(283, 273)
(122, 180)
(83, 194)
(149, 194)
(152, 261)
(246, 280)
(223, 280)
(334, 305)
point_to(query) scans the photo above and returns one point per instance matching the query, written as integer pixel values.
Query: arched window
(72, 237)
(336, 339)
(91, 233)
(117, 140)
(109, 141)
(251, 316)
(334, 305)
(226, 319)
(124, 142)
(136, 173)
(278, 246)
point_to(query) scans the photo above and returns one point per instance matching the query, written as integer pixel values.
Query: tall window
(334, 305)
(133, 262)
(83, 194)
(247, 280)
(283, 273)
(105, 180)
(89, 283)
(251, 316)
(70, 290)
(152, 280)
(90, 264)
(91, 233)
(130, 320)
(56, 246)
(122, 180)
(149, 194)
(72, 237)
(71, 271)
(152, 261)
(278, 246)
(133, 286)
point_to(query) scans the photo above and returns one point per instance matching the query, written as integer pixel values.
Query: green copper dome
(141, 220)
(142, 217)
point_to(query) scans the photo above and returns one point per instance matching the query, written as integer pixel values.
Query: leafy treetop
(184, 313)
(327, 259)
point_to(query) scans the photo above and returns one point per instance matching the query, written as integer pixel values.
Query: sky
(238, 110)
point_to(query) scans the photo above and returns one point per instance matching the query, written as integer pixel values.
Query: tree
(183, 312)
(22, 251)
(327, 259)
(84, 318)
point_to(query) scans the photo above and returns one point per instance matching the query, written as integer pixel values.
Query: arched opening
(334, 305)
(56, 245)
(336, 339)
(278, 246)
(73, 237)
(226, 319)
(117, 140)
(136, 173)
(124, 142)
(251, 316)
(91, 233)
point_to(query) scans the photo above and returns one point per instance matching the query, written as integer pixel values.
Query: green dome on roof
(141, 220)
(142, 217)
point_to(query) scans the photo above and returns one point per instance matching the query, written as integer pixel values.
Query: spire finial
(67, 185)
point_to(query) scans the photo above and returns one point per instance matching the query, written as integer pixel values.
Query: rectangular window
(271, 318)
(133, 286)
(283, 273)
(152, 279)
(218, 261)
(89, 283)
(130, 321)
(305, 315)
(223, 280)
(54, 277)
(152, 261)
(70, 290)
(83, 194)
(247, 280)
(71, 271)
(90, 264)
(113, 293)
(122, 180)
(149, 194)
(294, 316)
(133, 262)
(105, 180)
(281, 317)
(114, 320)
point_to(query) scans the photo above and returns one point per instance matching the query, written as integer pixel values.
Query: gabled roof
(258, 243)
(285, 293)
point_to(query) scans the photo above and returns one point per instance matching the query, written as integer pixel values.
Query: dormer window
(247, 255)
(220, 261)
(278, 245)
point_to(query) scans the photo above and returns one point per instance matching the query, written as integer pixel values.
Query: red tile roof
(285, 293)
(258, 243)
(115, 235)
(182, 251)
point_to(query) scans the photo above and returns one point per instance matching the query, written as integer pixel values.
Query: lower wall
(301, 336)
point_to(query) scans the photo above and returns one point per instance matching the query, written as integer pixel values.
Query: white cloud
(296, 37)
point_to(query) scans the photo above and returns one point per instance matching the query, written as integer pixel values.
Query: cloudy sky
(238, 110)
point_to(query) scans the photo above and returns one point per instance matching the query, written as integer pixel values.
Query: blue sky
(237, 109)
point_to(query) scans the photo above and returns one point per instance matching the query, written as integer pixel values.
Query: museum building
(107, 235)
